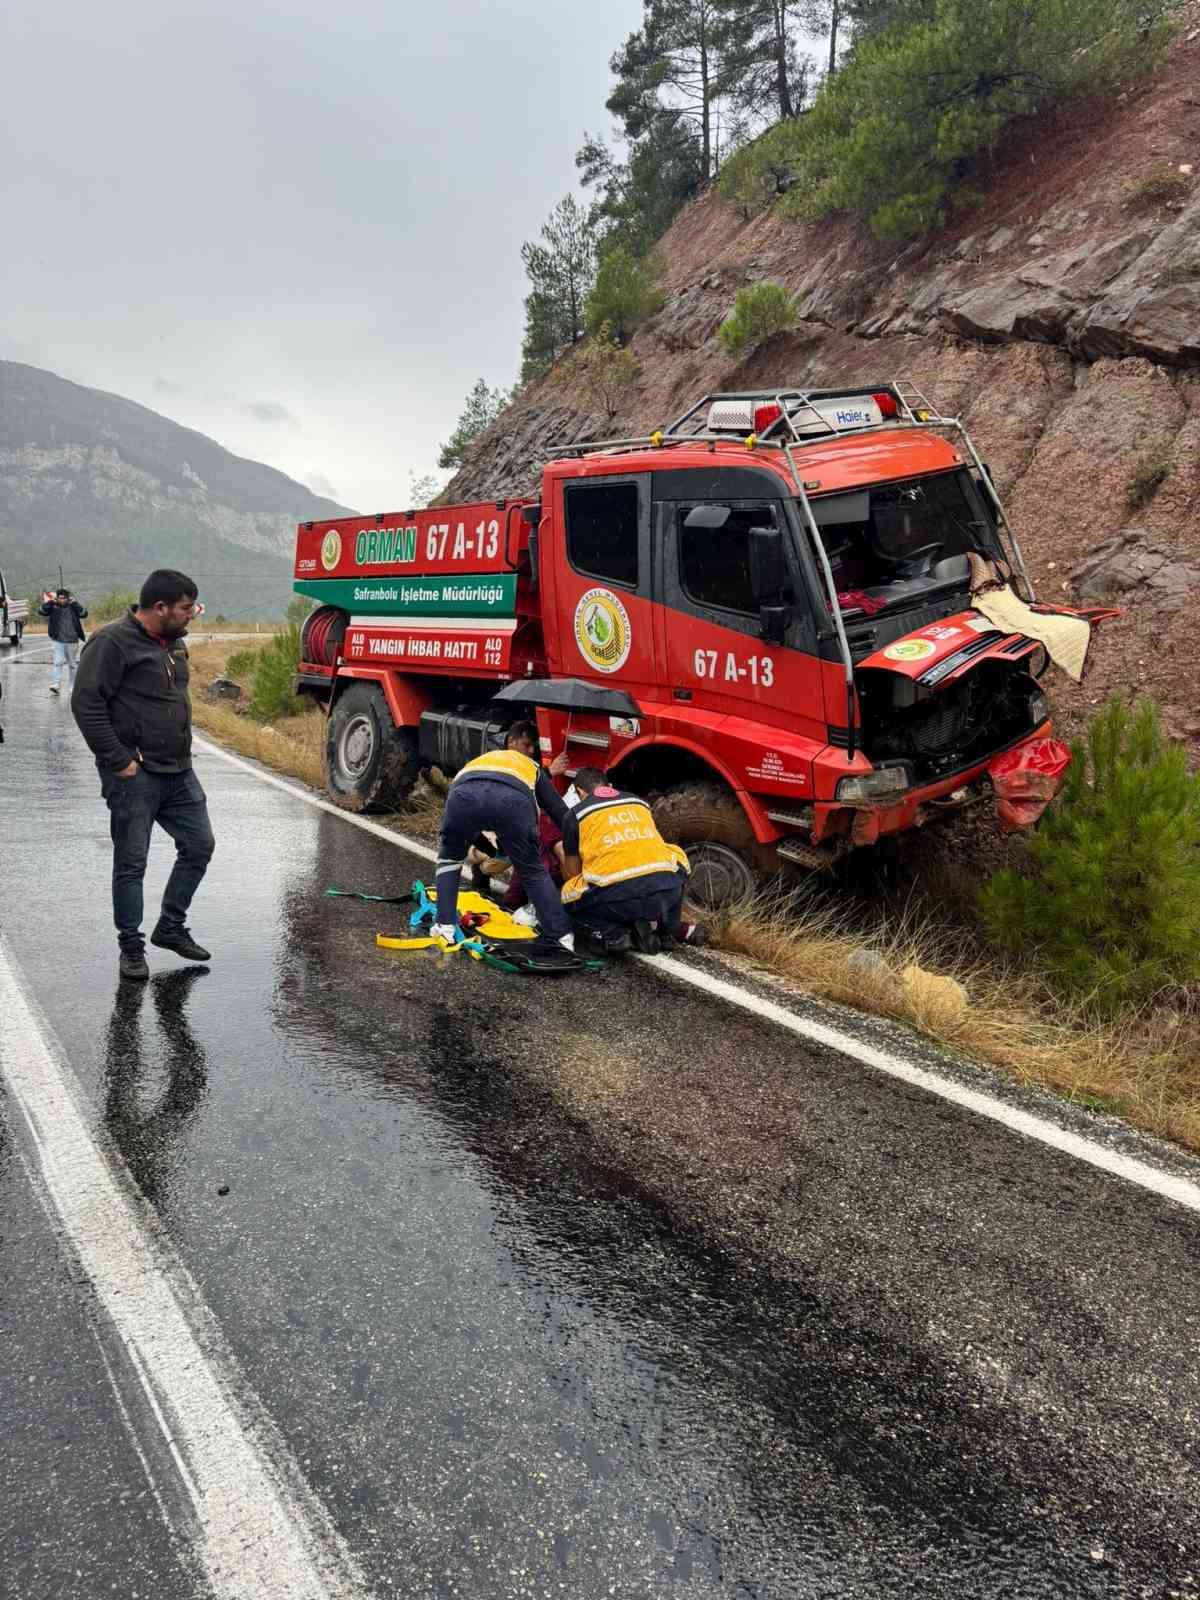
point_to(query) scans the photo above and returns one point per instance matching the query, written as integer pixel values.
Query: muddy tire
(729, 866)
(370, 764)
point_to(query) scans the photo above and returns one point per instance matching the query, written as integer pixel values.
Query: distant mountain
(111, 489)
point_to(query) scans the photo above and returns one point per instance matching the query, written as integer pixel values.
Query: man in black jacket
(65, 628)
(131, 704)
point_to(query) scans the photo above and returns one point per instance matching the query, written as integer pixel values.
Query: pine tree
(606, 372)
(673, 61)
(863, 18)
(561, 270)
(637, 198)
(625, 292)
(762, 69)
(760, 311)
(1107, 900)
(481, 407)
(423, 489)
(928, 87)
(827, 17)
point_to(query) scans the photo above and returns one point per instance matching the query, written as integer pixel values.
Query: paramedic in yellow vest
(624, 882)
(500, 792)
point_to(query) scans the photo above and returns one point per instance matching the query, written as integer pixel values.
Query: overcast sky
(294, 227)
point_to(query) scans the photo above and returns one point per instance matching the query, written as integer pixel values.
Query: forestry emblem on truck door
(331, 549)
(602, 630)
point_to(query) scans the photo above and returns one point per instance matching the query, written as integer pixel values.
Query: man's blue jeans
(177, 803)
(65, 653)
(476, 805)
(657, 897)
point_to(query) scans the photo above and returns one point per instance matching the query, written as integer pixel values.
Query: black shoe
(645, 938)
(133, 964)
(181, 941)
(595, 945)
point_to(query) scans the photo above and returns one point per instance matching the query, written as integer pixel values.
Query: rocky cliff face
(111, 489)
(1060, 319)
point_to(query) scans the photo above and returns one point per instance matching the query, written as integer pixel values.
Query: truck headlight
(1039, 708)
(882, 784)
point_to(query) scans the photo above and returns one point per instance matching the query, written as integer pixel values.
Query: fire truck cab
(777, 585)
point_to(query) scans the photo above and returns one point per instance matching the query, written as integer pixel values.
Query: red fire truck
(766, 607)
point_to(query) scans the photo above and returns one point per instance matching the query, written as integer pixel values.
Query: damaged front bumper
(866, 822)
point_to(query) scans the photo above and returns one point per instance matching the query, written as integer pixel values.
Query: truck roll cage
(913, 412)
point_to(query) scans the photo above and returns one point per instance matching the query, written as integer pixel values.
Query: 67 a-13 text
(758, 670)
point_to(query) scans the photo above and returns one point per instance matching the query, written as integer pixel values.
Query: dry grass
(1143, 1067)
(294, 745)
(1160, 189)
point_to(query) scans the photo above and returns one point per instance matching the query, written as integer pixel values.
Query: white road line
(261, 1532)
(1181, 1190)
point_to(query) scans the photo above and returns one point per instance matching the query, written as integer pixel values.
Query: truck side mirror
(774, 622)
(533, 557)
(768, 571)
(769, 582)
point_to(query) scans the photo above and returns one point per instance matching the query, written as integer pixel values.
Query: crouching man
(502, 792)
(624, 883)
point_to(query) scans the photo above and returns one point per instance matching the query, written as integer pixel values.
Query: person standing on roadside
(65, 625)
(131, 704)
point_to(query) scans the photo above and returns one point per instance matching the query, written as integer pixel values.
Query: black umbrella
(569, 694)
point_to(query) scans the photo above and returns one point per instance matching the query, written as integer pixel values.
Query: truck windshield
(895, 542)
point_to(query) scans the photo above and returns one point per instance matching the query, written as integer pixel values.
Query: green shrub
(895, 135)
(241, 664)
(272, 693)
(759, 312)
(755, 176)
(1146, 482)
(1107, 898)
(111, 607)
(606, 372)
(625, 293)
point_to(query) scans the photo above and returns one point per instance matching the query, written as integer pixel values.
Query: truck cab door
(602, 582)
(716, 654)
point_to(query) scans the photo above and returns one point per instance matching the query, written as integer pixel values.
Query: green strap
(381, 899)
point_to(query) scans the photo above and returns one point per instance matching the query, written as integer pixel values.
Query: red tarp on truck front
(1026, 780)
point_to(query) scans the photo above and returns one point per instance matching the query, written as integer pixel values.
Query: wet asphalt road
(523, 1330)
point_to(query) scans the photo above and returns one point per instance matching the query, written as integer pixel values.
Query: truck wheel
(729, 866)
(370, 764)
